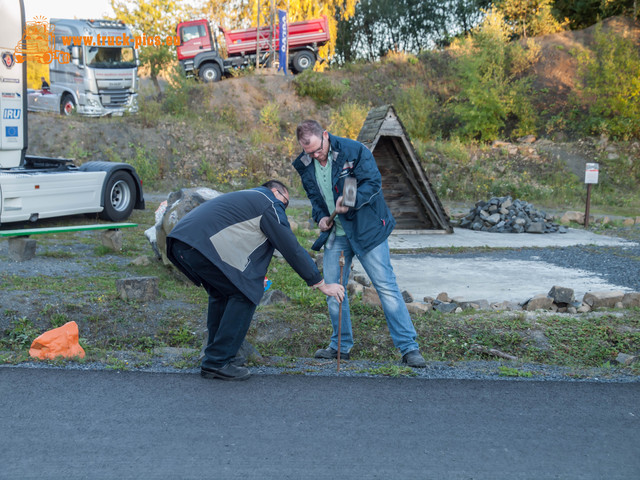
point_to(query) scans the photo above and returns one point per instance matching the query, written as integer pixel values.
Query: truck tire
(302, 61)
(119, 197)
(210, 72)
(67, 105)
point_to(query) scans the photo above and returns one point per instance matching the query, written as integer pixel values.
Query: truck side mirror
(75, 55)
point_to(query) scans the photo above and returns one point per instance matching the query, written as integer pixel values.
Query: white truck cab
(34, 187)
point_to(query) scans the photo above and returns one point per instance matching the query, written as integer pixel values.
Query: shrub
(418, 112)
(490, 70)
(347, 120)
(609, 86)
(317, 86)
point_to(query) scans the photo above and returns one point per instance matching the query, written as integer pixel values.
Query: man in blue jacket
(226, 245)
(361, 231)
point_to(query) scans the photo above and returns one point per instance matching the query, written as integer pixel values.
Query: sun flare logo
(38, 43)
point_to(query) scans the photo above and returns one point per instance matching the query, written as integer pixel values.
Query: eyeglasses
(319, 150)
(286, 200)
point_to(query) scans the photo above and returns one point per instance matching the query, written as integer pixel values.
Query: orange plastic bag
(59, 342)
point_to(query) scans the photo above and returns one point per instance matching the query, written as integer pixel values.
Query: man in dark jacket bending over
(226, 245)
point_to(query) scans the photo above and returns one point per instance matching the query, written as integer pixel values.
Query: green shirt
(323, 176)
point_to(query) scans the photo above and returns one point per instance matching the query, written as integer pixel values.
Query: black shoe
(414, 359)
(330, 353)
(239, 361)
(228, 372)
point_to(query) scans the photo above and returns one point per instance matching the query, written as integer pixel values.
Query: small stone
(443, 297)
(138, 288)
(446, 307)
(112, 239)
(273, 296)
(370, 297)
(417, 308)
(406, 296)
(21, 249)
(536, 227)
(625, 359)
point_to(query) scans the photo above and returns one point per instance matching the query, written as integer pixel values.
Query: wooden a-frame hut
(407, 190)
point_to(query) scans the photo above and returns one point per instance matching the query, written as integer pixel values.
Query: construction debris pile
(505, 215)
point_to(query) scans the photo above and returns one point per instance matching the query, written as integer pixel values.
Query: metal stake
(340, 309)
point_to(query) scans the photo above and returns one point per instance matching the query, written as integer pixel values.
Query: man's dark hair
(307, 129)
(281, 187)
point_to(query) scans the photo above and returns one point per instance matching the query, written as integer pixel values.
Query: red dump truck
(199, 53)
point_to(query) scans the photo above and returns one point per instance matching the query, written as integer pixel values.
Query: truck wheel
(303, 61)
(67, 105)
(119, 197)
(210, 73)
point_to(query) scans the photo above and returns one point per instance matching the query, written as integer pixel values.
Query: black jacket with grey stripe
(238, 233)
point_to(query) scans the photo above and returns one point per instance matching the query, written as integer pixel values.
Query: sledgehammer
(349, 192)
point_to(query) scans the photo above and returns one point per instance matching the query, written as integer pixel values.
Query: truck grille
(114, 98)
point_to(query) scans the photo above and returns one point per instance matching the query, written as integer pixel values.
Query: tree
(584, 13)
(380, 26)
(149, 19)
(528, 18)
(493, 86)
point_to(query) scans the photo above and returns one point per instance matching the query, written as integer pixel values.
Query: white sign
(591, 173)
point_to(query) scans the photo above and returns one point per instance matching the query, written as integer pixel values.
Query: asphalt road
(57, 423)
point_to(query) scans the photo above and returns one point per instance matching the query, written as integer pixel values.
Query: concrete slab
(479, 278)
(462, 237)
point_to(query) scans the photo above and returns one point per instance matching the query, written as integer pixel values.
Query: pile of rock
(505, 215)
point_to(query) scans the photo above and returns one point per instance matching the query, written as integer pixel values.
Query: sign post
(590, 177)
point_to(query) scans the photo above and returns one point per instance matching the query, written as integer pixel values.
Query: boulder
(571, 216)
(539, 302)
(631, 300)
(561, 294)
(603, 299)
(178, 205)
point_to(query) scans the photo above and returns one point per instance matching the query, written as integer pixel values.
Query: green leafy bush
(418, 111)
(493, 88)
(609, 86)
(317, 86)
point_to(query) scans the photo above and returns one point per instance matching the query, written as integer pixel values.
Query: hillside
(240, 130)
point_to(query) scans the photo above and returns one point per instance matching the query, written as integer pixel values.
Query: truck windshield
(111, 57)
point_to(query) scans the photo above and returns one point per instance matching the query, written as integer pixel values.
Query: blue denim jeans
(377, 264)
